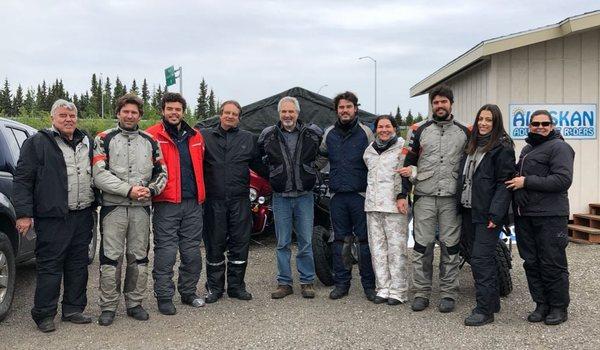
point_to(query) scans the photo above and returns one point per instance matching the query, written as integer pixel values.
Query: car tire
(7, 275)
(503, 264)
(322, 255)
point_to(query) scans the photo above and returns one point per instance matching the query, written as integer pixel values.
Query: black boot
(106, 318)
(338, 292)
(166, 307)
(420, 304)
(46, 325)
(138, 313)
(557, 315)
(539, 314)
(477, 319)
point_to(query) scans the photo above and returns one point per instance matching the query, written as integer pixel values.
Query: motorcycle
(260, 205)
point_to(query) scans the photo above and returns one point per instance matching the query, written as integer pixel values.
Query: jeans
(299, 212)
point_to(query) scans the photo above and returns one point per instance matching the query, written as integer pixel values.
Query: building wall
(558, 71)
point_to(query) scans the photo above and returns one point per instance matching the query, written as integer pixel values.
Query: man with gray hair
(53, 184)
(290, 149)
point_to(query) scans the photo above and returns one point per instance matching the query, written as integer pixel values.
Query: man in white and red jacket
(178, 211)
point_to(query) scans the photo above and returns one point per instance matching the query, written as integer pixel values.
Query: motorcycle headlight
(261, 200)
(253, 194)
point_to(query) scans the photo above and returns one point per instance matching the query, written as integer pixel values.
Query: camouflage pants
(388, 236)
(124, 230)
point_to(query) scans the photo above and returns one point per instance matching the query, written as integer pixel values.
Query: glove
(521, 197)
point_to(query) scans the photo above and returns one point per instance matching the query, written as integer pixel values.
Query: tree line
(97, 102)
(407, 120)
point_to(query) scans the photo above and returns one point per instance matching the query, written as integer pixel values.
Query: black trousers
(61, 254)
(542, 241)
(228, 224)
(483, 263)
(177, 227)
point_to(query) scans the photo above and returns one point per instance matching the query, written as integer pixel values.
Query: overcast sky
(249, 50)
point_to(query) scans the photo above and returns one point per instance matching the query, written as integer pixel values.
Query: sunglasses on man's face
(538, 124)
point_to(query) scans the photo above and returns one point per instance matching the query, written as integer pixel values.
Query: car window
(13, 144)
(20, 136)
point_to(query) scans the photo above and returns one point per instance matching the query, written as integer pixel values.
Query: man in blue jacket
(343, 145)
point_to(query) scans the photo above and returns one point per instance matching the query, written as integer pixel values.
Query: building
(555, 67)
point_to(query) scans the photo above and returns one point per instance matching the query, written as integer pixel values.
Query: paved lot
(293, 322)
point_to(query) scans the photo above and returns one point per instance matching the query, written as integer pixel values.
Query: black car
(13, 247)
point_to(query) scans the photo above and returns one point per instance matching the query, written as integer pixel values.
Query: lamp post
(375, 62)
(322, 86)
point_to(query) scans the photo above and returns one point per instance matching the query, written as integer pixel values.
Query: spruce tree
(134, 88)
(29, 102)
(5, 105)
(157, 98)
(108, 107)
(410, 120)
(202, 101)
(398, 116)
(17, 102)
(117, 92)
(145, 92)
(211, 104)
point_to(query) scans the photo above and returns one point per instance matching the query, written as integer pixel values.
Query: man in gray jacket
(435, 147)
(129, 169)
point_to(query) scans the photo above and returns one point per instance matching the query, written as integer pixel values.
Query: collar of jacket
(395, 146)
(449, 120)
(128, 132)
(78, 135)
(169, 130)
(220, 131)
(353, 125)
(299, 126)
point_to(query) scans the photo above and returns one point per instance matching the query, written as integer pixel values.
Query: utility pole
(375, 62)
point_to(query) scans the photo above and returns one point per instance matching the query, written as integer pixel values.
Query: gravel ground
(293, 322)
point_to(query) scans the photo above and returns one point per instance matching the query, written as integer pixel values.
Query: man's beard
(445, 116)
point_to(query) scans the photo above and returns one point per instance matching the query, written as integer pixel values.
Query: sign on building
(575, 121)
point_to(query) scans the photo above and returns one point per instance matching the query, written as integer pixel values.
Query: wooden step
(584, 234)
(589, 220)
(594, 208)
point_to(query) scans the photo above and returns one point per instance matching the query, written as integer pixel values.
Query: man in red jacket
(177, 219)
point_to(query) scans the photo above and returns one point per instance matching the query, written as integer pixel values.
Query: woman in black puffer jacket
(488, 162)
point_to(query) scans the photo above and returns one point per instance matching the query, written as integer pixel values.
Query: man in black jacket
(227, 218)
(545, 173)
(53, 184)
(290, 148)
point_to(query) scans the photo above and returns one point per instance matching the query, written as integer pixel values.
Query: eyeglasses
(537, 124)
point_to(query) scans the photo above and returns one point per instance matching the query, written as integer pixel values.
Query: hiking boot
(539, 314)
(192, 300)
(166, 307)
(477, 319)
(212, 297)
(77, 318)
(240, 294)
(446, 305)
(308, 290)
(393, 302)
(47, 325)
(380, 300)
(106, 318)
(420, 304)
(138, 313)
(282, 291)
(557, 315)
(370, 294)
(338, 293)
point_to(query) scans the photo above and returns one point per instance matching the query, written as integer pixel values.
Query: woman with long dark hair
(489, 160)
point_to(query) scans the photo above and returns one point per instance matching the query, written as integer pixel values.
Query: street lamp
(322, 86)
(374, 61)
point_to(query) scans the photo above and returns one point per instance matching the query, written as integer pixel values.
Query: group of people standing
(193, 184)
